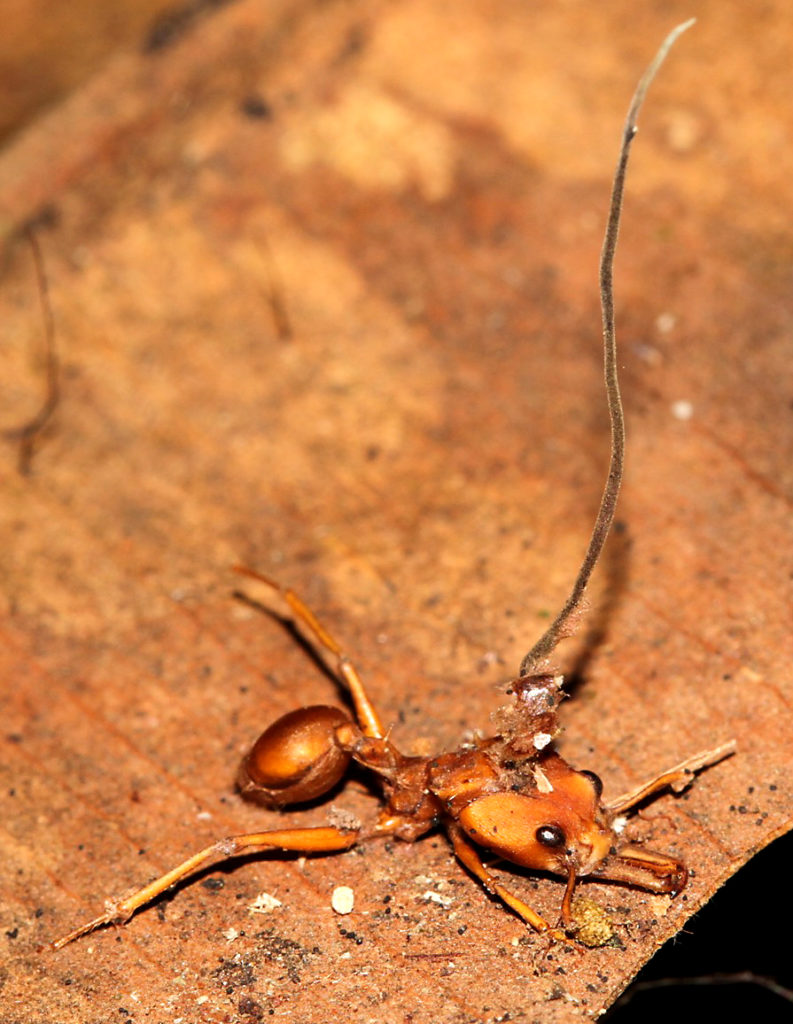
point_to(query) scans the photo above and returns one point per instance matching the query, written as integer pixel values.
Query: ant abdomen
(296, 759)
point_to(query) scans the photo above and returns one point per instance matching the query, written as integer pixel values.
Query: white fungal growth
(542, 780)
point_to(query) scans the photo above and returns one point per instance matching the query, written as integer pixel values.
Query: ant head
(554, 823)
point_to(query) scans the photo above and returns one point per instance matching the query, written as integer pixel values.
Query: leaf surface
(325, 285)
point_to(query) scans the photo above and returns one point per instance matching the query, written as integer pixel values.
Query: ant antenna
(608, 503)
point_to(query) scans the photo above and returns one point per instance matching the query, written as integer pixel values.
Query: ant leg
(636, 865)
(678, 778)
(368, 718)
(305, 840)
(467, 854)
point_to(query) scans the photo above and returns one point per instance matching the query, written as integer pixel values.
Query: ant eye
(596, 781)
(550, 835)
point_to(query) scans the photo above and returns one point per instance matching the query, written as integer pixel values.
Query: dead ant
(511, 794)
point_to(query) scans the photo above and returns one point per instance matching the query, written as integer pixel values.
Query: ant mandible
(511, 794)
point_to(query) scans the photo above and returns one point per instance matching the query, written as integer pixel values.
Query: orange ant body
(510, 794)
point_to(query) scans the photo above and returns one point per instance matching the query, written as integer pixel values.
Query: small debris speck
(682, 410)
(342, 899)
(264, 904)
(435, 897)
(256, 108)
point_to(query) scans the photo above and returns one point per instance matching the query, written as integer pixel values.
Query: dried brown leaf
(421, 459)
